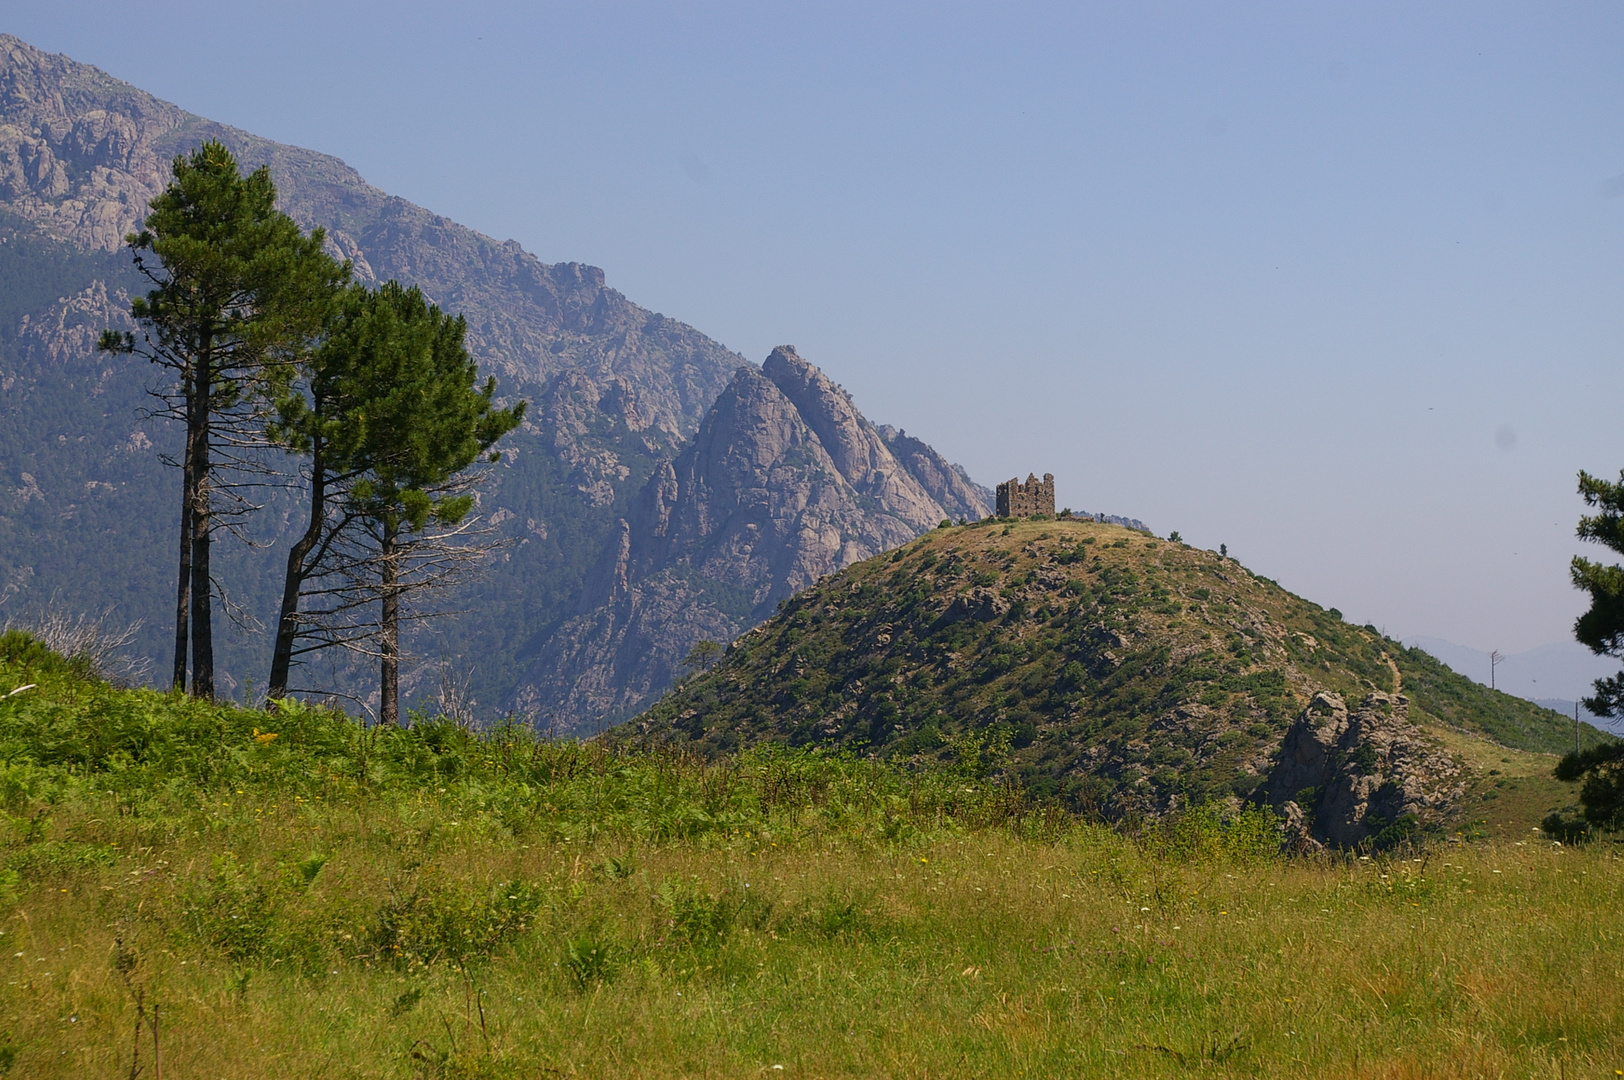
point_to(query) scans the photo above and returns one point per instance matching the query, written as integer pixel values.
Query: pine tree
(238, 294)
(1602, 629)
(393, 416)
(322, 417)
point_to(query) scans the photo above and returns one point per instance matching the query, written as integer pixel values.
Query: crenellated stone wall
(1016, 499)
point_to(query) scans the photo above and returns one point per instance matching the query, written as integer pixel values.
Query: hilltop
(1124, 673)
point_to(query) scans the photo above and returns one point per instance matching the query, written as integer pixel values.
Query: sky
(1336, 285)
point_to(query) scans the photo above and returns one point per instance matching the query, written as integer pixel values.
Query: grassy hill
(1124, 672)
(293, 895)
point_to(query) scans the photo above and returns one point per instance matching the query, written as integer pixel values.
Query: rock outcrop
(948, 484)
(785, 483)
(1343, 777)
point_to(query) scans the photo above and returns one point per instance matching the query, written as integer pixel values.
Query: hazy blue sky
(1336, 284)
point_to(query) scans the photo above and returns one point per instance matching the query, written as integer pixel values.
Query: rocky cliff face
(82, 154)
(785, 483)
(948, 484)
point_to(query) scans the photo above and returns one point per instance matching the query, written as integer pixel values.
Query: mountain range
(663, 490)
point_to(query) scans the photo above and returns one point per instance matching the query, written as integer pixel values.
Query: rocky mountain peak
(784, 483)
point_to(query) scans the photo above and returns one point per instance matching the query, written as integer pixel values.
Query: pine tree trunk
(389, 633)
(288, 625)
(183, 588)
(197, 423)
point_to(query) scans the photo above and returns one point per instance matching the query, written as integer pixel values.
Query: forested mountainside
(1125, 674)
(615, 389)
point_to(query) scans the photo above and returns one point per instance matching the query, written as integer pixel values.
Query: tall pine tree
(239, 293)
(323, 417)
(393, 416)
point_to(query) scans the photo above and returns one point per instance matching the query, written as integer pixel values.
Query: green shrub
(588, 961)
(452, 923)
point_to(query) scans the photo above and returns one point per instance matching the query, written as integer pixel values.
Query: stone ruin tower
(1019, 500)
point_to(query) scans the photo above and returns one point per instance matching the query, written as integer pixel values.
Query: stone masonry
(1016, 499)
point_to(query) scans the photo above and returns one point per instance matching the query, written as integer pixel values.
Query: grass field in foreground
(434, 902)
(960, 954)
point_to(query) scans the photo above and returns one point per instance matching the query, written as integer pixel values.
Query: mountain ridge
(615, 389)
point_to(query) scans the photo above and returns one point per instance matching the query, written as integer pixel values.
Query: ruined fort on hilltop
(1016, 499)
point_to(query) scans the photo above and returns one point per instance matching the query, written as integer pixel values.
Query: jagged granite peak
(947, 483)
(784, 483)
(854, 445)
(758, 496)
(614, 387)
(616, 394)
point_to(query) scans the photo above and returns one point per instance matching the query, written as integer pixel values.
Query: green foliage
(1602, 627)
(1388, 835)
(310, 866)
(589, 962)
(389, 414)
(702, 655)
(418, 415)
(473, 908)
(21, 650)
(238, 284)
(1602, 793)
(454, 923)
(1568, 830)
(232, 911)
(1363, 761)
(1215, 832)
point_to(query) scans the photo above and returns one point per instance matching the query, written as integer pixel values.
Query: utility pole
(1494, 659)
(1575, 727)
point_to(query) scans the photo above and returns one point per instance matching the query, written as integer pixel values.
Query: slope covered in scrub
(1127, 672)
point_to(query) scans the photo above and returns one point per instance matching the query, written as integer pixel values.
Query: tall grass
(436, 902)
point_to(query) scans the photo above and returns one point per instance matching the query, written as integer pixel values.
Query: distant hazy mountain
(86, 508)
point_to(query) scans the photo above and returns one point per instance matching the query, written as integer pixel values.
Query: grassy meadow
(293, 896)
